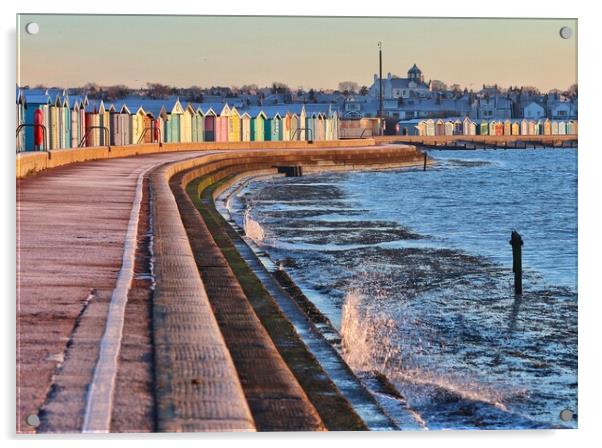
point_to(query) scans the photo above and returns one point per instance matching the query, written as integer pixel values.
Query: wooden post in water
(424, 169)
(516, 242)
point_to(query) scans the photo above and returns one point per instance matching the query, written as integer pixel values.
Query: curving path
(71, 228)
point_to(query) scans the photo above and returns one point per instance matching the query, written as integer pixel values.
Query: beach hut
(298, 130)
(286, 125)
(532, 128)
(499, 128)
(54, 111)
(173, 113)
(78, 121)
(121, 126)
(198, 125)
(515, 128)
(295, 126)
(571, 127)
(245, 127)
(547, 127)
(104, 122)
(257, 123)
(188, 114)
(221, 123)
(430, 127)
(562, 128)
(466, 126)
(140, 125)
(554, 126)
(449, 128)
(524, 127)
(420, 128)
(91, 135)
(21, 107)
(507, 127)
(35, 99)
(273, 126)
(483, 128)
(209, 123)
(439, 127)
(234, 125)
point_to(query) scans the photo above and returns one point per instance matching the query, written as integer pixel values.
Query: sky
(318, 52)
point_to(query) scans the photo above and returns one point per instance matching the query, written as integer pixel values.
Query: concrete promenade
(75, 252)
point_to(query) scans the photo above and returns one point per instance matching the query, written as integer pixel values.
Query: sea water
(414, 269)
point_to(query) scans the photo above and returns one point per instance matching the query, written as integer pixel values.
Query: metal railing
(160, 140)
(84, 139)
(298, 132)
(27, 125)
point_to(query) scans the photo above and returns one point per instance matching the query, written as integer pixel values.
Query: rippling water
(414, 270)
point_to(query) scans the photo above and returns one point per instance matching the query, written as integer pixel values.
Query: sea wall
(186, 332)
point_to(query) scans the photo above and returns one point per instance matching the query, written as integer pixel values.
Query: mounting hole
(33, 420)
(566, 32)
(566, 415)
(32, 28)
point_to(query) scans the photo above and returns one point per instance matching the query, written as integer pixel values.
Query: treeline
(197, 94)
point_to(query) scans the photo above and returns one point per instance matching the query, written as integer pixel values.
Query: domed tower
(415, 74)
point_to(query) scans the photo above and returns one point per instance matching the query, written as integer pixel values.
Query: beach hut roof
(150, 106)
(255, 111)
(36, 98)
(205, 110)
(124, 109)
(218, 108)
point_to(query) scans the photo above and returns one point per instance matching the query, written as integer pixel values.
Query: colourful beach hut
(245, 127)
(507, 127)
(188, 114)
(234, 125)
(198, 125)
(554, 127)
(430, 127)
(78, 121)
(439, 127)
(449, 128)
(209, 123)
(21, 107)
(483, 128)
(273, 126)
(173, 113)
(571, 127)
(222, 123)
(532, 128)
(515, 128)
(547, 127)
(121, 126)
(562, 128)
(257, 122)
(35, 99)
(524, 127)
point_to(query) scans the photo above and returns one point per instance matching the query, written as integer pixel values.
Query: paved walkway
(71, 227)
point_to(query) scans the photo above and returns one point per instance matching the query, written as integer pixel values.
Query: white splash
(372, 341)
(252, 228)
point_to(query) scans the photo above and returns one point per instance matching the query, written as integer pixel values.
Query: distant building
(395, 87)
(533, 111)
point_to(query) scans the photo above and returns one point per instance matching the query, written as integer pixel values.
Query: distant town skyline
(307, 52)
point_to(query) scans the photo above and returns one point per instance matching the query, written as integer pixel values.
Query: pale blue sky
(71, 50)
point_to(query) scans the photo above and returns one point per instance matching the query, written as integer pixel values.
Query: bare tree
(348, 87)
